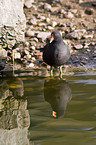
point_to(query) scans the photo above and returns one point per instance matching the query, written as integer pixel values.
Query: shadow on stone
(91, 4)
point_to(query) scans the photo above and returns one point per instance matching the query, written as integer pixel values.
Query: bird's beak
(52, 38)
(54, 114)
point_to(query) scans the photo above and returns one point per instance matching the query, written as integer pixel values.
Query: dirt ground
(84, 17)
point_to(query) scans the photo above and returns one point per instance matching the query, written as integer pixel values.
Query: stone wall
(12, 22)
(14, 116)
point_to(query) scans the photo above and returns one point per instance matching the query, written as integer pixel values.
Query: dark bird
(56, 53)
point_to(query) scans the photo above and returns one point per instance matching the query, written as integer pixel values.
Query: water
(48, 111)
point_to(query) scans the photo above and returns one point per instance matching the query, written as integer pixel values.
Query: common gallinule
(56, 53)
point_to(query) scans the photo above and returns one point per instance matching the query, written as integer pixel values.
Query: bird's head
(55, 36)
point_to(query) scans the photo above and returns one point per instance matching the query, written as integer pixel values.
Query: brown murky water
(48, 111)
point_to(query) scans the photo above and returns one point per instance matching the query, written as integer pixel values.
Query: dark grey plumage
(57, 52)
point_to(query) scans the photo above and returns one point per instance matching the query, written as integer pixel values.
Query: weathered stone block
(12, 22)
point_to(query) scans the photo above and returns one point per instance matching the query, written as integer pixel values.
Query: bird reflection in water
(58, 93)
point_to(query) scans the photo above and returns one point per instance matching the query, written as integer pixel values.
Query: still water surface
(48, 111)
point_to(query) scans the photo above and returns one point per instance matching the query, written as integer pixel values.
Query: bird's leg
(60, 71)
(51, 71)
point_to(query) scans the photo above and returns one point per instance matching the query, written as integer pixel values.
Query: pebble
(47, 7)
(88, 36)
(47, 20)
(69, 15)
(70, 25)
(61, 24)
(43, 35)
(74, 11)
(54, 10)
(50, 28)
(33, 58)
(34, 7)
(68, 6)
(76, 34)
(94, 20)
(17, 49)
(3, 53)
(29, 33)
(30, 65)
(83, 62)
(75, 59)
(42, 17)
(26, 52)
(41, 24)
(32, 47)
(78, 47)
(93, 43)
(26, 43)
(17, 55)
(28, 3)
(94, 4)
(27, 57)
(33, 42)
(56, 1)
(2, 65)
(54, 23)
(86, 45)
(32, 21)
(62, 11)
(35, 39)
(95, 52)
(79, 1)
(89, 11)
(88, 50)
